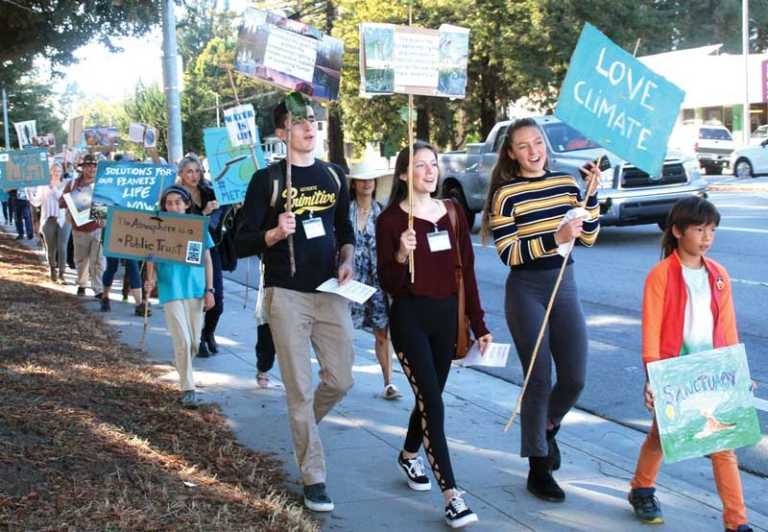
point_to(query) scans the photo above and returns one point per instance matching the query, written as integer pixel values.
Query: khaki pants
(298, 319)
(724, 467)
(184, 318)
(89, 259)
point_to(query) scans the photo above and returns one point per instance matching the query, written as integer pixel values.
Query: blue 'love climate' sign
(618, 102)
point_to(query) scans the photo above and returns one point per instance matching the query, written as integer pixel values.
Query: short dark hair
(692, 210)
(280, 113)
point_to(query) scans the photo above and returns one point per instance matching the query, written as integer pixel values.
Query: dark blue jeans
(131, 266)
(23, 218)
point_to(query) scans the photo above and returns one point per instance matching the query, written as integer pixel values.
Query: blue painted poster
(704, 403)
(230, 167)
(24, 168)
(616, 101)
(129, 184)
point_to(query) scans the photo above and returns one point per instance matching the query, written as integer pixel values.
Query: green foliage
(147, 106)
(32, 100)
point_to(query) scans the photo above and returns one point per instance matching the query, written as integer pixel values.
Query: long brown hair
(692, 210)
(505, 169)
(399, 187)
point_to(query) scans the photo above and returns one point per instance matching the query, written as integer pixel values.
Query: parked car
(712, 144)
(758, 135)
(628, 196)
(750, 161)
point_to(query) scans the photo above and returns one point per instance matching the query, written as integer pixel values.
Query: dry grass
(91, 440)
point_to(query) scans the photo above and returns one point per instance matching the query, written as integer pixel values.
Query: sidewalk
(363, 435)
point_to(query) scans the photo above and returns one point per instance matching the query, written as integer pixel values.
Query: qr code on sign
(194, 252)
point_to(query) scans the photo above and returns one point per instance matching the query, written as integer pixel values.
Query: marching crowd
(426, 287)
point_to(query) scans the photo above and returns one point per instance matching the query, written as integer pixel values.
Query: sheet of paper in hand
(703, 403)
(618, 102)
(157, 236)
(495, 356)
(289, 54)
(353, 290)
(24, 168)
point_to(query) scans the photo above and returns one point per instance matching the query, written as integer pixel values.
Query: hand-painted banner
(289, 54)
(231, 168)
(24, 168)
(409, 60)
(703, 403)
(156, 236)
(128, 184)
(241, 125)
(616, 101)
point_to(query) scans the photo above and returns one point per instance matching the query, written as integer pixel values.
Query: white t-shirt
(699, 322)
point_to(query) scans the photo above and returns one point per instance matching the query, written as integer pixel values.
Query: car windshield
(711, 133)
(564, 138)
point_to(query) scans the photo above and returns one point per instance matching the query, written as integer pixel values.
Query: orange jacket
(664, 300)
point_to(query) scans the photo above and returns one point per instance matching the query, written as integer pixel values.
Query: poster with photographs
(410, 60)
(289, 54)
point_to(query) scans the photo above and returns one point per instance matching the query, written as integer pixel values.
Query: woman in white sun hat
(372, 315)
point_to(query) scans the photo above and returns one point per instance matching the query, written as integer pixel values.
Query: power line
(19, 6)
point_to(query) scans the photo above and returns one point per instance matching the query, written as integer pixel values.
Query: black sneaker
(106, 305)
(541, 482)
(646, 506)
(413, 469)
(210, 340)
(80, 291)
(317, 499)
(554, 450)
(202, 350)
(741, 528)
(458, 514)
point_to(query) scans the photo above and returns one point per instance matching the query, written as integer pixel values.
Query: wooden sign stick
(411, 265)
(588, 191)
(288, 192)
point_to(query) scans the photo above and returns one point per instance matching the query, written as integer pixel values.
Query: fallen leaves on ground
(91, 440)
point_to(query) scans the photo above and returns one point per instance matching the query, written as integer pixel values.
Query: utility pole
(171, 79)
(746, 121)
(6, 129)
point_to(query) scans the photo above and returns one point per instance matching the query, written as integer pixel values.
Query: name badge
(438, 241)
(313, 228)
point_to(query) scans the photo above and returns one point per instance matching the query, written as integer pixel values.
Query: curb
(738, 187)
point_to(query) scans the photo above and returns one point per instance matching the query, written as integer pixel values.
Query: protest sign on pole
(24, 168)
(103, 138)
(231, 167)
(150, 137)
(25, 131)
(704, 403)
(136, 133)
(241, 125)
(75, 135)
(128, 184)
(618, 102)
(155, 236)
(409, 60)
(289, 54)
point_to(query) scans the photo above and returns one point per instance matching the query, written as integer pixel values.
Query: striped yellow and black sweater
(525, 214)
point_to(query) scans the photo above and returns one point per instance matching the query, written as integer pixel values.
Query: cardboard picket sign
(24, 168)
(155, 236)
(75, 134)
(129, 184)
(25, 131)
(289, 54)
(410, 60)
(618, 102)
(230, 167)
(703, 403)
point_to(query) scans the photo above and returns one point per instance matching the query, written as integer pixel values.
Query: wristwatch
(211, 290)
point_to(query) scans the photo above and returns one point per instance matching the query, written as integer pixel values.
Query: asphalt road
(610, 278)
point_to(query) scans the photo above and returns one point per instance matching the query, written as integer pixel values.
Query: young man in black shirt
(297, 313)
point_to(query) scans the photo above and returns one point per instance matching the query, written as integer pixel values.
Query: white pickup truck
(628, 196)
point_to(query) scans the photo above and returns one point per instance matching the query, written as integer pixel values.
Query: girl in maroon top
(423, 315)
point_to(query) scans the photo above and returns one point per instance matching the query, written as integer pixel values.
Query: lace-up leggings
(424, 335)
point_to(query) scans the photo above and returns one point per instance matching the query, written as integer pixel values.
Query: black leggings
(424, 336)
(213, 314)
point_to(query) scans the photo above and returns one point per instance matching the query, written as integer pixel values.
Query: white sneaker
(391, 392)
(413, 469)
(458, 514)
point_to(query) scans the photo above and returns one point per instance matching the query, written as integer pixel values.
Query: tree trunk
(422, 119)
(488, 101)
(335, 129)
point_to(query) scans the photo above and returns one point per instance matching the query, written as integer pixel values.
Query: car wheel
(742, 169)
(456, 194)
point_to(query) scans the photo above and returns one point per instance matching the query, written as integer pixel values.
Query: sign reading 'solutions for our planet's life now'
(129, 184)
(156, 236)
(704, 403)
(616, 101)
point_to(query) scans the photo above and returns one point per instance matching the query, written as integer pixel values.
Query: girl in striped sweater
(525, 211)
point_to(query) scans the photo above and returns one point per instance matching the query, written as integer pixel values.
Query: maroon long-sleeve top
(435, 275)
